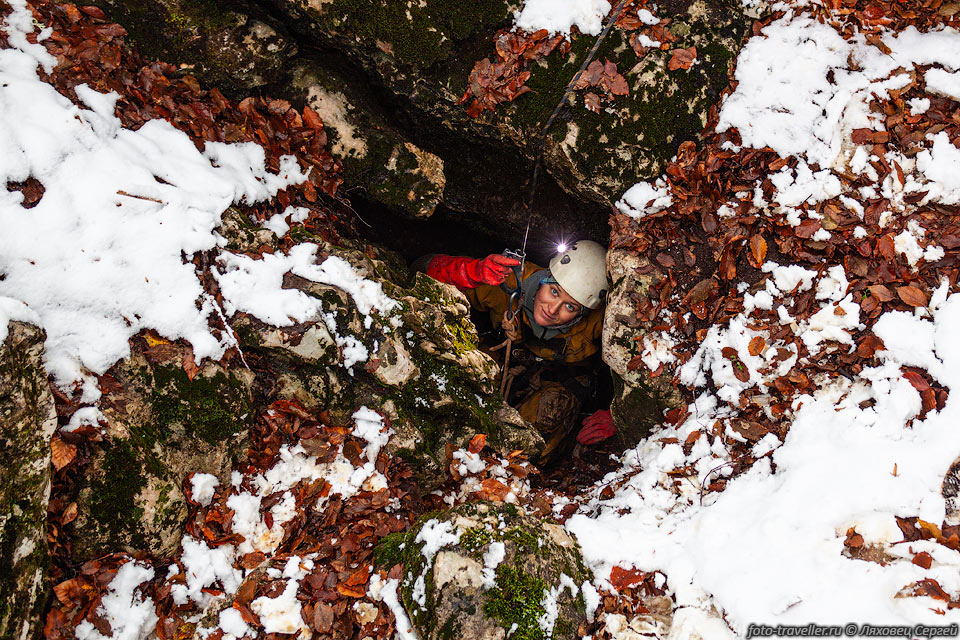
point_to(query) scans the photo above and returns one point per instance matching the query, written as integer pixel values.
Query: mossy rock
(161, 427)
(424, 369)
(27, 422)
(640, 397)
(394, 171)
(488, 571)
(231, 50)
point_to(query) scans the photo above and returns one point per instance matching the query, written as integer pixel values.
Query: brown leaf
(322, 621)
(493, 489)
(62, 453)
(807, 228)
(740, 371)
(477, 443)
(854, 540)
(350, 592)
(592, 102)
(886, 247)
(756, 346)
(702, 291)
(623, 578)
(69, 514)
(923, 559)
(918, 381)
(189, 363)
(666, 260)
(728, 263)
(880, 292)
(758, 250)
(931, 588)
(682, 58)
(912, 296)
(359, 577)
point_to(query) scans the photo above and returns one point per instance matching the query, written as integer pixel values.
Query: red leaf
(477, 443)
(623, 578)
(918, 381)
(923, 559)
(756, 346)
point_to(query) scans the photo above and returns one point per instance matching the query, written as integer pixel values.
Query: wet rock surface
(27, 422)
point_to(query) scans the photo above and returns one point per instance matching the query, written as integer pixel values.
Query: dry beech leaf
(682, 58)
(758, 249)
(912, 296)
(880, 292)
(477, 443)
(757, 345)
(62, 453)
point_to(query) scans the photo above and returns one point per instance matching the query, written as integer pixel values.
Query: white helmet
(582, 272)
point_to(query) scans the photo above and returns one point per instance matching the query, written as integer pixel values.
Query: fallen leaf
(756, 346)
(477, 443)
(758, 250)
(682, 58)
(912, 296)
(623, 578)
(923, 559)
(62, 453)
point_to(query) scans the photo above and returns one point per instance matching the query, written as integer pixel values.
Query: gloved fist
(597, 427)
(493, 269)
(468, 273)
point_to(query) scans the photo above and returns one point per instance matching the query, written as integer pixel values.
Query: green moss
(113, 495)
(390, 550)
(211, 407)
(418, 34)
(516, 599)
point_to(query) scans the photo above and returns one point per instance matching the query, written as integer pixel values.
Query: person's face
(553, 306)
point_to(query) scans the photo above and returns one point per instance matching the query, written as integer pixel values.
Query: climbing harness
(516, 295)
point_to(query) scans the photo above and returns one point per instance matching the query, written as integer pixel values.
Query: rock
(389, 86)
(640, 397)
(396, 172)
(475, 571)
(423, 369)
(161, 426)
(27, 423)
(232, 50)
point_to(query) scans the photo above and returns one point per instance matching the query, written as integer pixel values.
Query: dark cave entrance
(453, 233)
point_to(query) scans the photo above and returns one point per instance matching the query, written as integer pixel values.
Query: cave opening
(454, 233)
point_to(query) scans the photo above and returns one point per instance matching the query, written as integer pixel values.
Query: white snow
(203, 486)
(557, 16)
(111, 262)
(645, 198)
(131, 616)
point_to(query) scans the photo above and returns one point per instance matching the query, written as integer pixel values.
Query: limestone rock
(395, 171)
(475, 571)
(232, 50)
(27, 422)
(161, 426)
(389, 88)
(639, 396)
(423, 369)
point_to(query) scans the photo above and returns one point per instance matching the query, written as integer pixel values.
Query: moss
(390, 550)
(113, 495)
(516, 599)
(418, 34)
(211, 407)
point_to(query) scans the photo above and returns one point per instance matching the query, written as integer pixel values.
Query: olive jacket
(570, 345)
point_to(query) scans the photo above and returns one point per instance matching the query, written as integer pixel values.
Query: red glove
(597, 427)
(468, 273)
